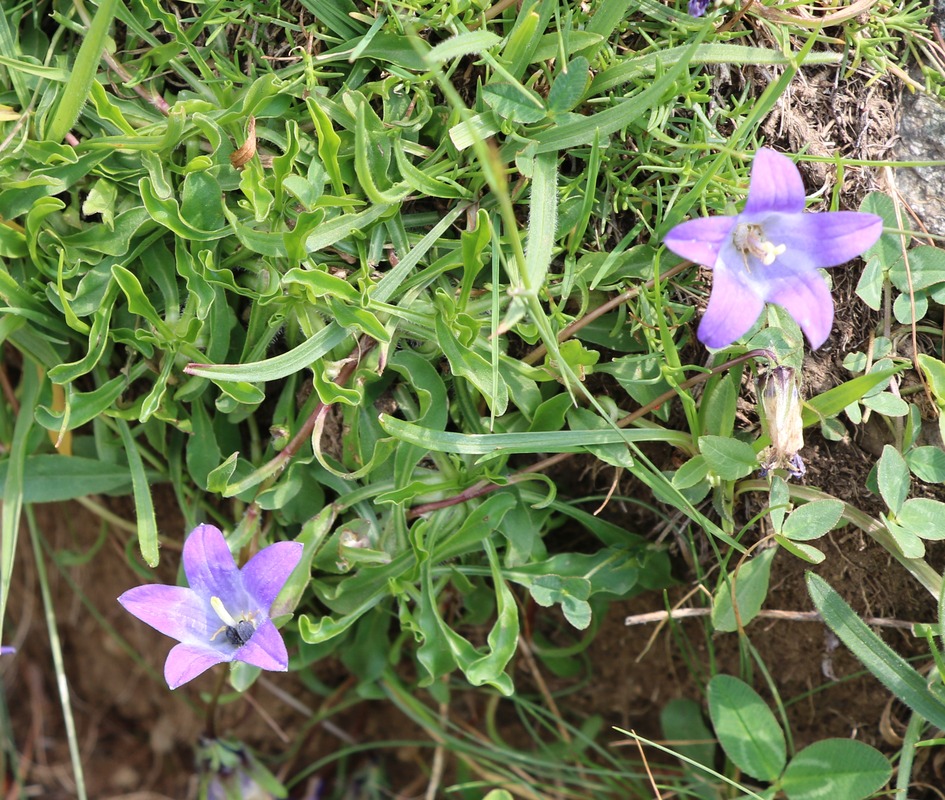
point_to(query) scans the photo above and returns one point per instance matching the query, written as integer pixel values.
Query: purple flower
(7, 651)
(698, 7)
(771, 253)
(224, 615)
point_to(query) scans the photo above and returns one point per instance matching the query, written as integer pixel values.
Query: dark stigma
(241, 634)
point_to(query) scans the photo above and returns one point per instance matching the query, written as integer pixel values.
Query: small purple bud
(698, 7)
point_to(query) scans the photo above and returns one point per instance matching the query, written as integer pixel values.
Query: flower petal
(186, 661)
(807, 298)
(210, 568)
(701, 239)
(827, 238)
(775, 185)
(733, 307)
(265, 649)
(173, 610)
(265, 573)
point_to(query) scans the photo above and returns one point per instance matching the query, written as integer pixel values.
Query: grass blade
(76, 91)
(887, 666)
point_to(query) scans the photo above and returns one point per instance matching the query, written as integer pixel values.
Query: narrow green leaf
(50, 478)
(583, 131)
(330, 336)
(542, 221)
(463, 44)
(833, 401)
(76, 90)
(15, 484)
(144, 508)
(532, 442)
(887, 666)
(934, 371)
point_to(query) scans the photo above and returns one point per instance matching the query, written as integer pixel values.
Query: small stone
(922, 138)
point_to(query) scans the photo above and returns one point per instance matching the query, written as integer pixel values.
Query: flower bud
(781, 416)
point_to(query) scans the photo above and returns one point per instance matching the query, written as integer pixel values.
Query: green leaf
(909, 544)
(730, 459)
(833, 401)
(812, 520)
(569, 86)
(887, 666)
(836, 768)
(76, 91)
(779, 499)
(927, 463)
(893, 478)
(909, 309)
(584, 130)
(14, 487)
(682, 721)
(539, 441)
(887, 404)
(751, 586)
(746, 728)
(463, 44)
(934, 371)
(55, 478)
(926, 268)
(888, 248)
(803, 551)
(514, 102)
(691, 473)
(870, 286)
(923, 517)
(144, 507)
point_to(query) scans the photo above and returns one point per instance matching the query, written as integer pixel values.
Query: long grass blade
(76, 91)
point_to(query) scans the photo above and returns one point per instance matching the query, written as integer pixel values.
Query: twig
(569, 331)
(791, 616)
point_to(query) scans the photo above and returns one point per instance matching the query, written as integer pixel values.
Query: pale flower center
(750, 239)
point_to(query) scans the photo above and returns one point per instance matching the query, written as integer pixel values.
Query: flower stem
(211, 729)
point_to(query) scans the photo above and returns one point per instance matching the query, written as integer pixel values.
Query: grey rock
(922, 138)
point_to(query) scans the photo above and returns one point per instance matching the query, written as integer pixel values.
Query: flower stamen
(750, 239)
(224, 615)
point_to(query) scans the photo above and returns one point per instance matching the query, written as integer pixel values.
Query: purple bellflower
(770, 253)
(224, 614)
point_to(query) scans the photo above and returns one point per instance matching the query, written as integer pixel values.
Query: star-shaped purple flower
(770, 253)
(224, 615)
